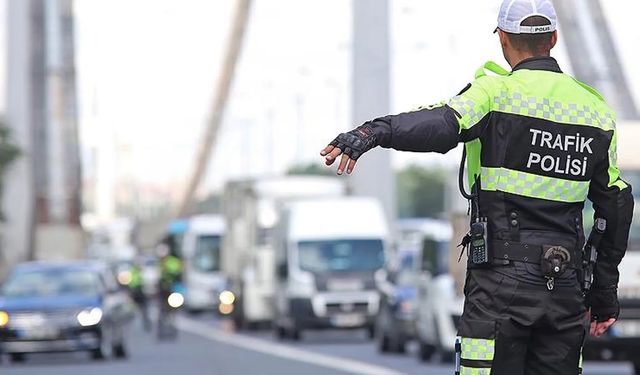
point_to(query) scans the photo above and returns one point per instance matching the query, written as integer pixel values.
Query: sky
(147, 70)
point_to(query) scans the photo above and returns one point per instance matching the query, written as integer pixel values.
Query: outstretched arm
(436, 128)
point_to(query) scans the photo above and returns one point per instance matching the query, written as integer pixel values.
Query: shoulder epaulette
(492, 67)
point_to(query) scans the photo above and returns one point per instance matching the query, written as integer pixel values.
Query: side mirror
(283, 271)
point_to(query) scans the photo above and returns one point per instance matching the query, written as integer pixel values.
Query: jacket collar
(539, 63)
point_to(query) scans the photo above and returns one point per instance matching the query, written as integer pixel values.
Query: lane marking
(281, 350)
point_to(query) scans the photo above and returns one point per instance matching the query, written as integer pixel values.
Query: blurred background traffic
(164, 206)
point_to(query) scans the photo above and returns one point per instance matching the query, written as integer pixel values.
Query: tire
(252, 326)
(98, 354)
(383, 343)
(401, 345)
(636, 368)
(425, 351)
(371, 332)
(295, 334)
(280, 333)
(120, 351)
(17, 357)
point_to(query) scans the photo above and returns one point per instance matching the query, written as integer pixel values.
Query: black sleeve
(430, 129)
(613, 201)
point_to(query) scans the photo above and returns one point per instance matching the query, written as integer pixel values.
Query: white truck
(439, 302)
(202, 275)
(251, 210)
(326, 265)
(622, 341)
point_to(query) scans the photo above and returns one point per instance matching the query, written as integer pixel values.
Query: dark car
(63, 307)
(395, 323)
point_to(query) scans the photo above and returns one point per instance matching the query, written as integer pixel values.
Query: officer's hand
(599, 328)
(351, 146)
(603, 304)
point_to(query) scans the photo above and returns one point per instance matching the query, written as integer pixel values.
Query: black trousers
(513, 324)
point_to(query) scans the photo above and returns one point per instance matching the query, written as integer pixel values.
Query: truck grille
(341, 308)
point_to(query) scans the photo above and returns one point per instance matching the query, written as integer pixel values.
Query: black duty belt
(507, 251)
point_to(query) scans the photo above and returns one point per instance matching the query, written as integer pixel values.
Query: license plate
(41, 333)
(627, 328)
(348, 320)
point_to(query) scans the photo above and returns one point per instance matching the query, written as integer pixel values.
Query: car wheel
(119, 350)
(17, 357)
(636, 368)
(281, 333)
(371, 332)
(425, 351)
(401, 345)
(383, 342)
(296, 333)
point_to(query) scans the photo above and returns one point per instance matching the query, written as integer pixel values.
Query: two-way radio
(477, 238)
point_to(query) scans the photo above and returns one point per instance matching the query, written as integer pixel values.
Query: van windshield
(207, 255)
(340, 255)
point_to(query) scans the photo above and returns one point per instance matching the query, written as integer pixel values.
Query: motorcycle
(170, 301)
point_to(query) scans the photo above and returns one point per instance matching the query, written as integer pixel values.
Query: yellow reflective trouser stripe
(474, 371)
(477, 349)
(532, 185)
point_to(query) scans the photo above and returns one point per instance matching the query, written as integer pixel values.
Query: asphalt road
(209, 346)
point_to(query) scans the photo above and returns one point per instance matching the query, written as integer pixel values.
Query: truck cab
(439, 302)
(252, 212)
(326, 266)
(202, 275)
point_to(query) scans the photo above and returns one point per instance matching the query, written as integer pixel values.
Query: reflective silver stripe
(474, 371)
(478, 349)
(566, 113)
(532, 185)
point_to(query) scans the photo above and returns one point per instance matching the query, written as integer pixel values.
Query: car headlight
(227, 297)
(89, 317)
(4, 319)
(124, 277)
(175, 300)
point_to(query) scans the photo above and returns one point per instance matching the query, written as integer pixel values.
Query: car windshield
(207, 255)
(340, 255)
(50, 283)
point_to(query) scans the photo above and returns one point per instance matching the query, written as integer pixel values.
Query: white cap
(513, 12)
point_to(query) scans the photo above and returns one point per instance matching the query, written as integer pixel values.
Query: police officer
(136, 289)
(539, 143)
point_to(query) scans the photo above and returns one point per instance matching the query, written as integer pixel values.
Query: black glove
(603, 303)
(356, 142)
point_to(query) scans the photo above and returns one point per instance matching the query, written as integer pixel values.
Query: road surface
(209, 346)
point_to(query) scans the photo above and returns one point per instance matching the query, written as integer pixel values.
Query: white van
(326, 264)
(440, 304)
(252, 213)
(202, 277)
